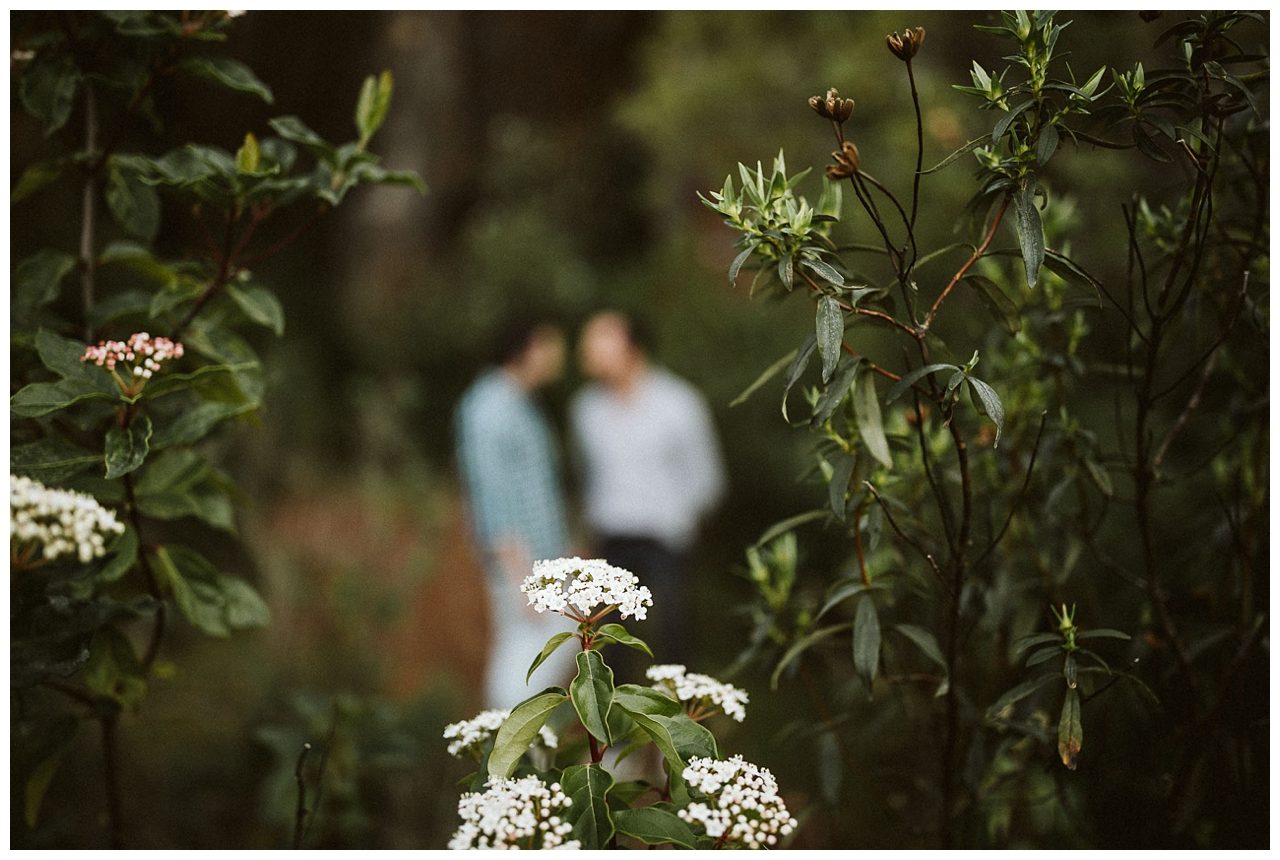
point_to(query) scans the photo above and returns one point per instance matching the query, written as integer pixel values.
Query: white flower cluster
(468, 736)
(514, 813)
(701, 692)
(743, 805)
(581, 585)
(58, 522)
(141, 354)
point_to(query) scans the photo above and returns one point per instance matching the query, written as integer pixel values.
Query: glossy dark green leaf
(592, 693)
(617, 634)
(114, 670)
(519, 729)
(547, 650)
(127, 447)
(230, 73)
(866, 409)
(134, 204)
(675, 735)
(866, 639)
(48, 90)
(41, 398)
(51, 460)
(587, 786)
(829, 323)
(1047, 144)
(1003, 123)
(37, 280)
(260, 305)
(655, 826)
(1030, 230)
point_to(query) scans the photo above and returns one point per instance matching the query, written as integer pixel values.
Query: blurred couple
(649, 467)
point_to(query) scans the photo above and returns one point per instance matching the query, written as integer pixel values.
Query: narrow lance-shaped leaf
(989, 404)
(912, 377)
(866, 408)
(797, 369)
(800, 646)
(866, 639)
(829, 323)
(1070, 730)
(770, 372)
(1030, 230)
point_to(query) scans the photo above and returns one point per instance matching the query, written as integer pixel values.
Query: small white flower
(585, 588)
(699, 693)
(468, 737)
(514, 813)
(56, 523)
(742, 805)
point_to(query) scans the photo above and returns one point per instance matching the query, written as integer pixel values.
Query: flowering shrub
(731, 803)
(112, 420)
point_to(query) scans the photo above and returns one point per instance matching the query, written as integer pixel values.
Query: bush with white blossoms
(693, 801)
(586, 589)
(701, 694)
(47, 524)
(468, 737)
(514, 813)
(743, 808)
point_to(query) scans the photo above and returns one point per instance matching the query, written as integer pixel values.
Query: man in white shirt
(651, 468)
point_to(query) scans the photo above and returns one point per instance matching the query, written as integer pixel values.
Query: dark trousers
(666, 629)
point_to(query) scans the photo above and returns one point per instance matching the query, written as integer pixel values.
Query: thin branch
(89, 204)
(1026, 482)
(915, 185)
(300, 813)
(977, 253)
(1192, 404)
(912, 542)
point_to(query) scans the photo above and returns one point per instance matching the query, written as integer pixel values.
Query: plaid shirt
(508, 461)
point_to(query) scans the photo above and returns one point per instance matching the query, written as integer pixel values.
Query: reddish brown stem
(977, 254)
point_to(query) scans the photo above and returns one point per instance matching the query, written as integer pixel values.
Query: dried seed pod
(905, 46)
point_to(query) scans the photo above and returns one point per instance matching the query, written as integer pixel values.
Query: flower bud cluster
(701, 693)
(831, 106)
(141, 355)
(743, 808)
(514, 813)
(468, 737)
(57, 523)
(579, 587)
(904, 47)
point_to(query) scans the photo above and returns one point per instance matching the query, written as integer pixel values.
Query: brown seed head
(905, 46)
(846, 162)
(831, 106)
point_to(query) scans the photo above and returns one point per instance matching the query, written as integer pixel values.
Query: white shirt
(651, 464)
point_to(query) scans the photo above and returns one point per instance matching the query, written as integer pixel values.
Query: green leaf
(35, 177)
(866, 409)
(829, 323)
(41, 398)
(37, 784)
(592, 693)
(772, 371)
(1103, 633)
(1000, 306)
(675, 735)
(293, 129)
(113, 669)
(801, 645)
(866, 639)
(988, 403)
(781, 528)
(230, 73)
(1035, 639)
(1002, 124)
(835, 392)
(1017, 694)
(51, 460)
(797, 369)
(1101, 477)
(48, 89)
(587, 786)
(260, 305)
(547, 650)
(909, 379)
(371, 108)
(838, 487)
(617, 634)
(133, 203)
(194, 583)
(841, 591)
(124, 555)
(245, 608)
(968, 147)
(736, 266)
(194, 423)
(127, 447)
(37, 280)
(1047, 144)
(1030, 230)
(1070, 730)
(1044, 655)
(824, 271)
(519, 729)
(655, 826)
(924, 640)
